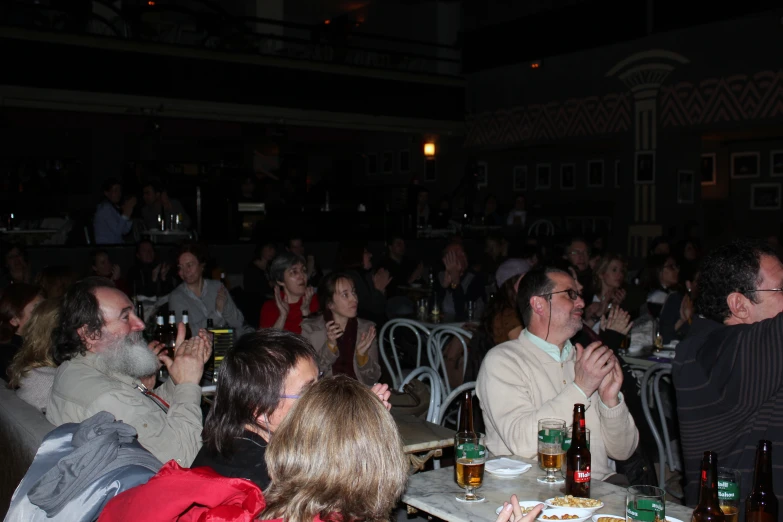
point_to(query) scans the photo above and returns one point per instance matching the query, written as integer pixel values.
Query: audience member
(159, 205)
(344, 344)
(148, 276)
(294, 299)
(105, 366)
(112, 221)
(54, 280)
(16, 305)
(32, 370)
(17, 269)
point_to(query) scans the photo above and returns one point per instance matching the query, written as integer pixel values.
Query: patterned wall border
(734, 98)
(592, 116)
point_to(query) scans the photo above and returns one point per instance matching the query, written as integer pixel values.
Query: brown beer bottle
(161, 333)
(762, 504)
(172, 327)
(709, 506)
(466, 414)
(578, 457)
(186, 322)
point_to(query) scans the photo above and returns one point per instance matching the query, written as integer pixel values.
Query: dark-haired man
(542, 375)
(728, 372)
(106, 366)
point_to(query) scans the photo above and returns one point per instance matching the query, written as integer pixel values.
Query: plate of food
(568, 501)
(526, 505)
(572, 514)
(608, 518)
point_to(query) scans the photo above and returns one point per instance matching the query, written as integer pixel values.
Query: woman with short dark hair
(294, 300)
(260, 379)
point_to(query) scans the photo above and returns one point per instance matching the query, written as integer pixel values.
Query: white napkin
(504, 465)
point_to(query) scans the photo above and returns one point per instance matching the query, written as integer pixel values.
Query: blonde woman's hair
(603, 266)
(338, 454)
(36, 350)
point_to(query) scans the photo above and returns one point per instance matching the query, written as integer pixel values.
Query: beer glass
(470, 454)
(645, 504)
(729, 493)
(551, 433)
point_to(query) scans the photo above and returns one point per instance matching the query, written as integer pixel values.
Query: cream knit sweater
(519, 383)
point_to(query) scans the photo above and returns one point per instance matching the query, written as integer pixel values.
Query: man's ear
(537, 304)
(739, 305)
(14, 321)
(87, 339)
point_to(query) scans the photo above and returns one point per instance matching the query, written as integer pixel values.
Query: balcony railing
(204, 25)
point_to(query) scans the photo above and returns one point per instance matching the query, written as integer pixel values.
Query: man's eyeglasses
(299, 396)
(572, 294)
(763, 290)
(579, 252)
(673, 266)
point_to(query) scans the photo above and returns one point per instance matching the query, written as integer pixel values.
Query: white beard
(129, 356)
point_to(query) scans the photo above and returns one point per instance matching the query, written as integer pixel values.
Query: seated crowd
(550, 330)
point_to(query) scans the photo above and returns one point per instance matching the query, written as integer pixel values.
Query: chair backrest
(549, 228)
(451, 397)
(650, 387)
(391, 326)
(439, 338)
(425, 372)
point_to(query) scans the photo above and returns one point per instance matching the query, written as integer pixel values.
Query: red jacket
(293, 323)
(187, 495)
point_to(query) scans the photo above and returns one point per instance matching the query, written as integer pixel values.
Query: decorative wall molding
(575, 117)
(735, 98)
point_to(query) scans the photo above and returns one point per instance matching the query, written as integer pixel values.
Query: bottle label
(470, 450)
(728, 491)
(550, 436)
(582, 422)
(567, 444)
(582, 475)
(645, 510)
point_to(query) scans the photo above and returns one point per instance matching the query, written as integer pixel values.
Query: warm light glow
(150, 2)
(429, 149)
(535, 65)
(327, 22)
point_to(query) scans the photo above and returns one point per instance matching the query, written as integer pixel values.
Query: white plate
(524, 504)
(592, 510)
(672, 519)
(614, 517)
(506, 473)
(583, 514)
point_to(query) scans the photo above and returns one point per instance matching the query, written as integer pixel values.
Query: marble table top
(418, 435)
(434, 492)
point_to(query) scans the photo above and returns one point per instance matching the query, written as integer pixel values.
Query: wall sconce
(429, 150)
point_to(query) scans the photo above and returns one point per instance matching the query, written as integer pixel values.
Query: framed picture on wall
(405, 161)
(708, 173)
(616, 173)
(568, 176)
(595, 173)
(644, 168)
(481, 174)
(685, 186)
(744, 165)
(388, 162)
(520, 178)
(765, 196)
(776, 163)
(543, 176)
(372, 163)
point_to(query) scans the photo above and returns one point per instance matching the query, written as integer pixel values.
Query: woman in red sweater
(294, 300)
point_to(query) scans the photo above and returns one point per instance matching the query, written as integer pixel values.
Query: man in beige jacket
(105, 366)
(542, 375)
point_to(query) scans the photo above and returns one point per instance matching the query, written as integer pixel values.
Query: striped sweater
(729, 383)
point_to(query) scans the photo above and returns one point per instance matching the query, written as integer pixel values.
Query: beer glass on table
(645, 504)
(551, 433)
(471, 455)
(729, 493)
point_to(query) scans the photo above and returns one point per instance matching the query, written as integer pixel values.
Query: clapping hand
(618, 320)
(452, 265)
(592, 365)
(383, 393)
(282, 306)
(307, 298)
(365, 341)
(189, 356)
(333, 332)
(609, 389)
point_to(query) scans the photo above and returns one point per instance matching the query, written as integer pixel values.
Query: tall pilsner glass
(471, 456)
(550, 449)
